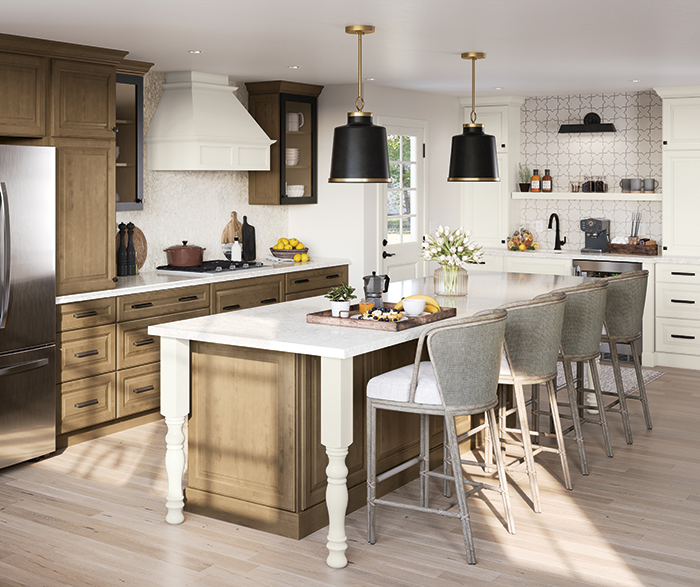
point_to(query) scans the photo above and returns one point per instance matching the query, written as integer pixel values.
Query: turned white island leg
(336, 436)
(175, 405)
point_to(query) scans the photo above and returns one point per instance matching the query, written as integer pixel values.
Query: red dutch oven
(184, 255)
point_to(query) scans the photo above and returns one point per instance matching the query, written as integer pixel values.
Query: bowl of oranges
(291, 249)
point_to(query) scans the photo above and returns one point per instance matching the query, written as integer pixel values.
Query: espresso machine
(375, 286)
(597, 235)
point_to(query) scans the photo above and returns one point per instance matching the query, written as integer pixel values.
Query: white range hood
(199, 124)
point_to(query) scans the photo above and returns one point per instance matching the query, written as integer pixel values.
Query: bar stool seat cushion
(396, 385)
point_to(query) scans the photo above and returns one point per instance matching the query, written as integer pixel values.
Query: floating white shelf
(638, 197)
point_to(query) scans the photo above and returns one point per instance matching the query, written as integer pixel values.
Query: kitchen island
(266, 350)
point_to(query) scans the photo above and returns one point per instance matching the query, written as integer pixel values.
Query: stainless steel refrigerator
(27, 303)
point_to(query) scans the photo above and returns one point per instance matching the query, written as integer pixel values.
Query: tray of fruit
(390, 318)
(522, 240)
(289, 248)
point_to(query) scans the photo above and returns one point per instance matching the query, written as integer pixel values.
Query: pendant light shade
(473, 156)
(359, 153)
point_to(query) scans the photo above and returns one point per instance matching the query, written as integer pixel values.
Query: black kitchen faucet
(558, 242)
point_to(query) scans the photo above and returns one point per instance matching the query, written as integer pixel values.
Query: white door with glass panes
(402, 203)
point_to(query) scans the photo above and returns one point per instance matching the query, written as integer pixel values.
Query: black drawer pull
(144, 388)
(232, 307)
(141, 305)
(268, 301)
(683, 336)
(683, 273)
(143, 342)
(187, 299)
(301, 281)
(86, 354)
(334, 276)
(85, 314)
(682, 301)
(90, 402)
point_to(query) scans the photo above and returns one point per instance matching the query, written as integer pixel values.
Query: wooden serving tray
(325, 317)
(647, 250)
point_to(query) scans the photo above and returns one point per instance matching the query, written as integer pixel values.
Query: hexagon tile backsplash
(633, 151)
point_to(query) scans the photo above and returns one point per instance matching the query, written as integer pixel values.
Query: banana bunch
(431, 304)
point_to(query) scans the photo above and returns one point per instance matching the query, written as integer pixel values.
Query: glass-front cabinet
(286, 111)
(129, 176)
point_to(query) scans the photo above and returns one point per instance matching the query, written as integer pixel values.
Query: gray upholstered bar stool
(584, 312)
(533, 332)
(459, 380)
(623, 324)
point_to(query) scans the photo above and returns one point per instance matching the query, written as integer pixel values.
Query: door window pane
(393, 234)
(393, 203)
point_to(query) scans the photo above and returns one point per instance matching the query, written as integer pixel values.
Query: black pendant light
(359, 153)
(473, 156)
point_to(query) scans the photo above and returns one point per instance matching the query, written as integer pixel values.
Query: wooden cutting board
(326, 317)
(140, 245)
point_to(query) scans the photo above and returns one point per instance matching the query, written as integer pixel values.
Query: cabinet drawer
(315, 279)
(162, 303)
(678, 301)
(247, 293)
(322, 291)
(138, 389)
(85, 314)
(678, 273)
(677, 336)
(85, 352)
(136, 347)
(87, 402)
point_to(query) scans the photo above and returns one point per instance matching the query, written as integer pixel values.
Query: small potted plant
(340, 298)
(525, 176)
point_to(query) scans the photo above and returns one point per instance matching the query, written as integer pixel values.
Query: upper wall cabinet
(286, 111)
(129, 142)
(83, 100)
(681, 117)
(23, 102)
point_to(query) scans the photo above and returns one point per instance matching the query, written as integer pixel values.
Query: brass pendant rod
(359, 103)
(472, 116)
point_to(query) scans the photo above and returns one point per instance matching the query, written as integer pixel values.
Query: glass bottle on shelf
(535, 181)
(546, 181)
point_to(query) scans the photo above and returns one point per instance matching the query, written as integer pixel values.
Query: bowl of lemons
(291, 249)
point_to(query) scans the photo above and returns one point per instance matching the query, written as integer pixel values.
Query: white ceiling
(533, 47)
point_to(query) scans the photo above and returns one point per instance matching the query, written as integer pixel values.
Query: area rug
(607, 378)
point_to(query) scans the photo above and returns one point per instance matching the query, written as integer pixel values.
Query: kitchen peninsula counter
(264, 377)
(151, 281)
(574, 254)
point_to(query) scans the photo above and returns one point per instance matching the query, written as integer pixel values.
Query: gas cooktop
(209, 267)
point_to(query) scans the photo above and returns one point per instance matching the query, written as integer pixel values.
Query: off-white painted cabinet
(487, 209)
(681, 162)
(528, 263)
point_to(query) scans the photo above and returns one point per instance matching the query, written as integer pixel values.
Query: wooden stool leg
(527, 445)
(621, 392)
(453, 445)
(640, 384)
(424, 465)
(534, 411)
(561, 449)
(500, 467)
(573, 404)
(446, 463)
(371, 470)
(602, 418)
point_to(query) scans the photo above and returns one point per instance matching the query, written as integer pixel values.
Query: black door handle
(385, 243)
(385, 254)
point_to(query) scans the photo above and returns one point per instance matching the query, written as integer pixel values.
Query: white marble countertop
(573, 254)
(283, 327)
(154, 281)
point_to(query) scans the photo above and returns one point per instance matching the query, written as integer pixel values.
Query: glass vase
(450, 280)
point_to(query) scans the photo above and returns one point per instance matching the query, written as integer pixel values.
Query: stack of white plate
(292, 156)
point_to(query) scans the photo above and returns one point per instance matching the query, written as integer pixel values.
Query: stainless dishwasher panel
(599, 268)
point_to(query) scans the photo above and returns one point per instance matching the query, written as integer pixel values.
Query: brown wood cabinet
(316, 282)
(23, 102)
(85, 216)
(247, 293)
(270, 103)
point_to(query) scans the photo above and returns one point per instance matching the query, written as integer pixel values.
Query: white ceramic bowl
(295, 191)
(414, 307)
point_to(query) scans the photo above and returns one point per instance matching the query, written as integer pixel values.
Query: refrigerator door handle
(6, 250)
(26, 366)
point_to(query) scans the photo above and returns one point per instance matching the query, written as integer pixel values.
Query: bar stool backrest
(466, 359)
(625, 303)
(584, 313)
(533, 332)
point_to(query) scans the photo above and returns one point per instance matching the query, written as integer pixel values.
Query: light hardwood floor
(94, 515)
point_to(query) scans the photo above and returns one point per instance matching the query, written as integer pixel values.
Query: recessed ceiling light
(294, 67)
(196, 51)
(370, 79)
(498, 88)
(635, 81)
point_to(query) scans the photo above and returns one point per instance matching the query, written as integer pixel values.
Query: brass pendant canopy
(359, 153)
(473, 156)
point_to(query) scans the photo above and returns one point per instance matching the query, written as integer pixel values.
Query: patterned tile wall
(633, 151)
(196, 205)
